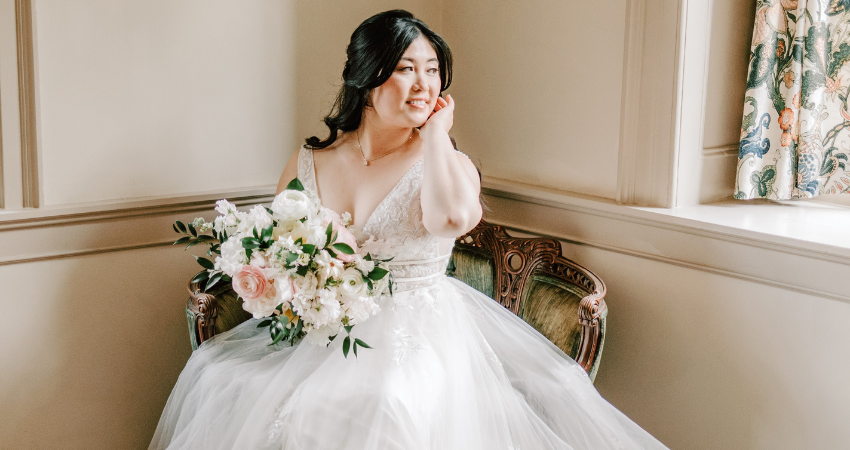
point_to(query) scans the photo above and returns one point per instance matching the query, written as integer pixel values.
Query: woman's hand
(442, 118)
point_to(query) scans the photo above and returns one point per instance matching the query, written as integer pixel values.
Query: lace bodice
(395, 228)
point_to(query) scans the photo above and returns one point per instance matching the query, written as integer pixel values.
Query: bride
(449, 368)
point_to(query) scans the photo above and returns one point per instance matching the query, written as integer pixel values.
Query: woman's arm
(450, 187)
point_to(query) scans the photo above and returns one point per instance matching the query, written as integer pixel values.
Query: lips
(418, 103)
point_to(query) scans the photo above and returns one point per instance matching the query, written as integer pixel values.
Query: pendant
(365, 162)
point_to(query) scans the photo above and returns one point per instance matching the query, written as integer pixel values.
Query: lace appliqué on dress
(405, 345)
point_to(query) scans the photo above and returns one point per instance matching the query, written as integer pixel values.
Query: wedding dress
(449, 369)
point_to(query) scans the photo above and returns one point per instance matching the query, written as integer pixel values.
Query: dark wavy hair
(375, 49)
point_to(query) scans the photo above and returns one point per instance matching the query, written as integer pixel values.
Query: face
(407, 98)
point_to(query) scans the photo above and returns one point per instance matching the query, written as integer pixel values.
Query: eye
(433, 70)
(402, 69)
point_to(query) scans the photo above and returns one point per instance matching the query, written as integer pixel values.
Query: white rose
(352, 285)
(232, 257)
(291, 204)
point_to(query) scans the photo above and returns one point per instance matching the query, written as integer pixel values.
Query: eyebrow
(405, 58)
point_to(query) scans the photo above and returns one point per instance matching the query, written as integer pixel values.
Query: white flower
(352, 285)
(284, 287)
(303, 259)
(363, 265)
(257, 218)
(291, 204)
(225, 208)
(311, 232)
(305, 287)
(346, 218)
(359, 309)
(328, 267)
(232, 256)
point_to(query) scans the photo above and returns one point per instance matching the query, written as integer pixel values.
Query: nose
(418, 85)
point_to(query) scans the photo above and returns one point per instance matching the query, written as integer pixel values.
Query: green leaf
(331, 252)
(250, 243)
(302, 271)
(291, 257)
(269, 210)
(331, 338)
(264, 323)
(308, 248)
(295, 184)
(205, 263)
(377, 273)
(201, 276)
(348, 328)
(182, 240)
(345, 346)
(248, 253)
(214, 278)
(226, 278)
(361, 343)
(175, 228)
(254, 231)
(343, 248)
(329, 233)
(368, 257)
(192, 230)
(266, 234)
(355, 348)
(180, 225)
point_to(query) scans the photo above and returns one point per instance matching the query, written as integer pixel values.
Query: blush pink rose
(250, 283)
(342, 235)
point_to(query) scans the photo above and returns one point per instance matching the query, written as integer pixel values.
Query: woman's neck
(376, 140)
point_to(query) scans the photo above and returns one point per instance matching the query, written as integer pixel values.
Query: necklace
(367, 161)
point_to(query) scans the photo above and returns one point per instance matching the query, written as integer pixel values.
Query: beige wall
(92, 346)
(538, 88)
(155, 98)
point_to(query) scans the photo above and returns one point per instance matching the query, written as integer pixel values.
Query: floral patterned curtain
(795, 137)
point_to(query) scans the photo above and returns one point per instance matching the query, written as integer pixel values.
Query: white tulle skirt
(450, 369)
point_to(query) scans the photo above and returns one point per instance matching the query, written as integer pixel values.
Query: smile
(419, 104)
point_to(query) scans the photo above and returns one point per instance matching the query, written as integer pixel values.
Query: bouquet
(296, 265)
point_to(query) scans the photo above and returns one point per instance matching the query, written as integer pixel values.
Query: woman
(449, 368)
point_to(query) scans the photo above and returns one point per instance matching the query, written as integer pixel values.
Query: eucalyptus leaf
(266, 235)
(264, 323)
(180, 225)
(175, 228)
(355, 348)
(308, 248)
(361, 343)
(192, 230)
(269, 210)
(182, 240)
(348, 328)
(329, 232)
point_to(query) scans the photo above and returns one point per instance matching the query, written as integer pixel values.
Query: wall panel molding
(774, 260)
(651, 66)
(30, 166)
(53, 233)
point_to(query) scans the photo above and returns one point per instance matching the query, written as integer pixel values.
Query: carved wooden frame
(205, 308)
(540, 255)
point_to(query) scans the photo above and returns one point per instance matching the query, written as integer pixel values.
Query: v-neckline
(380, 204)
